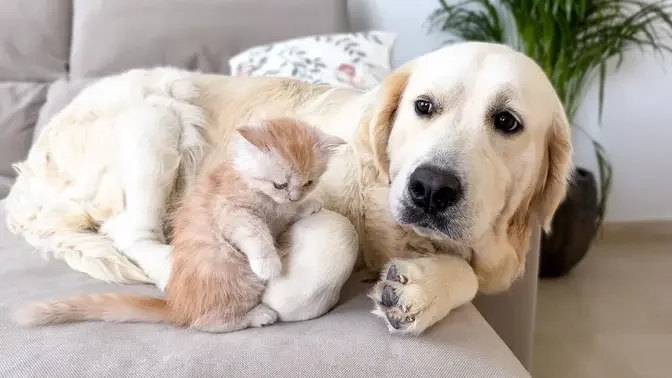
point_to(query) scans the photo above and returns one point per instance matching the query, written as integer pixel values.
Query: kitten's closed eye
(279, 186)
(309, 183)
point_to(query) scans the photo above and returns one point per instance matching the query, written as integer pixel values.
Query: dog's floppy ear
(501, 259)
(550, 190)
(556, 172)
(380, 126)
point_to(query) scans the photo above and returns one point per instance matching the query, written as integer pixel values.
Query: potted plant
(573, 41)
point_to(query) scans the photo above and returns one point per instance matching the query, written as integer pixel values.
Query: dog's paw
(309, 207)
(401, 300)
(414, 294)
(268, 267)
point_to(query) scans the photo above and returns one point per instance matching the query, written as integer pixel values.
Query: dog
(450, 163)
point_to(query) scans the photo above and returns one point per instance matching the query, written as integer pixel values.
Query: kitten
(224, 236)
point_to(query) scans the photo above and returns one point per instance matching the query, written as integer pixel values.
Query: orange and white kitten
(224, 236)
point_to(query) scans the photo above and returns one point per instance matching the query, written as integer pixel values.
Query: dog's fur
(102, 176)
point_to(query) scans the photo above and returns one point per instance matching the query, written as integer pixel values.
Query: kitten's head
(282, 157)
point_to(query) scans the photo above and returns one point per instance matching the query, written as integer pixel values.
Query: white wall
(637, 119)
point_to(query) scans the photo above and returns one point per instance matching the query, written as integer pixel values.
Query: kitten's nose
(294, 196)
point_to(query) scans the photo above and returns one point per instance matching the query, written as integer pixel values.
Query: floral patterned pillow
(356, 60)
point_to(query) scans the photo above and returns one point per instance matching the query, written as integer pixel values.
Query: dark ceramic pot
(573, 228)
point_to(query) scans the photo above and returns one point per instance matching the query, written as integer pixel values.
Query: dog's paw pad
(393, 303)
(393, 275)
(389, 297)
(399, 322)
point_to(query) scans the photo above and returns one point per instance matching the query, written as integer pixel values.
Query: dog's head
(475, 143)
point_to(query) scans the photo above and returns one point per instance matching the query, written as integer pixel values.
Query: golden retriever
(451, 162)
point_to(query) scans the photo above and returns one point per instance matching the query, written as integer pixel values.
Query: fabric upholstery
(34, 39)
(512, 313)
(347, 342)
(19, 107)
(34, 50)
(197, 34)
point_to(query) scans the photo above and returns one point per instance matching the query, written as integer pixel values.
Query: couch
(49, 51)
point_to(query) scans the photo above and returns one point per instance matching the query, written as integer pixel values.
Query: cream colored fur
(103, 175)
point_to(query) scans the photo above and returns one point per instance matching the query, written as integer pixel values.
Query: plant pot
(573, 227)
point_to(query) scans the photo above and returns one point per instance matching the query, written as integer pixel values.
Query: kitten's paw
(309, 207)
(268, 267)
(262, 315)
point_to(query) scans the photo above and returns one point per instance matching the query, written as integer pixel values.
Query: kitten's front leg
(413, 294)
(253, 237)
(307, 208)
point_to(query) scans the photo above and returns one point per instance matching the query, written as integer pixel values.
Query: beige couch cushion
(347, 342)
(112, 36)
(34, 39)
(19, 107)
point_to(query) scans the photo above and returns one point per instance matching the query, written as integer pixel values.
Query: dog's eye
(279, 186)
(507, 123)
(424, 108)
(308, 183)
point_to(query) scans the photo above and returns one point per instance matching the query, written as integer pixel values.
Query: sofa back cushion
(113, 36)
(34, 50)
(34, 39)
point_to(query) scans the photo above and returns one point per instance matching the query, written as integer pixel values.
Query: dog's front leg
(497, 263)
(413, 294)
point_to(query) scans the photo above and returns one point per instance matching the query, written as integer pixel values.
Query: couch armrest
(512, 313)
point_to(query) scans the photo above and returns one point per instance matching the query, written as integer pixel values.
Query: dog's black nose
(434, 190)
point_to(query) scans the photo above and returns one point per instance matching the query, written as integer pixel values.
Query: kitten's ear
(246, 140)
(245, 151)
(329, 143)
(245, 134)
